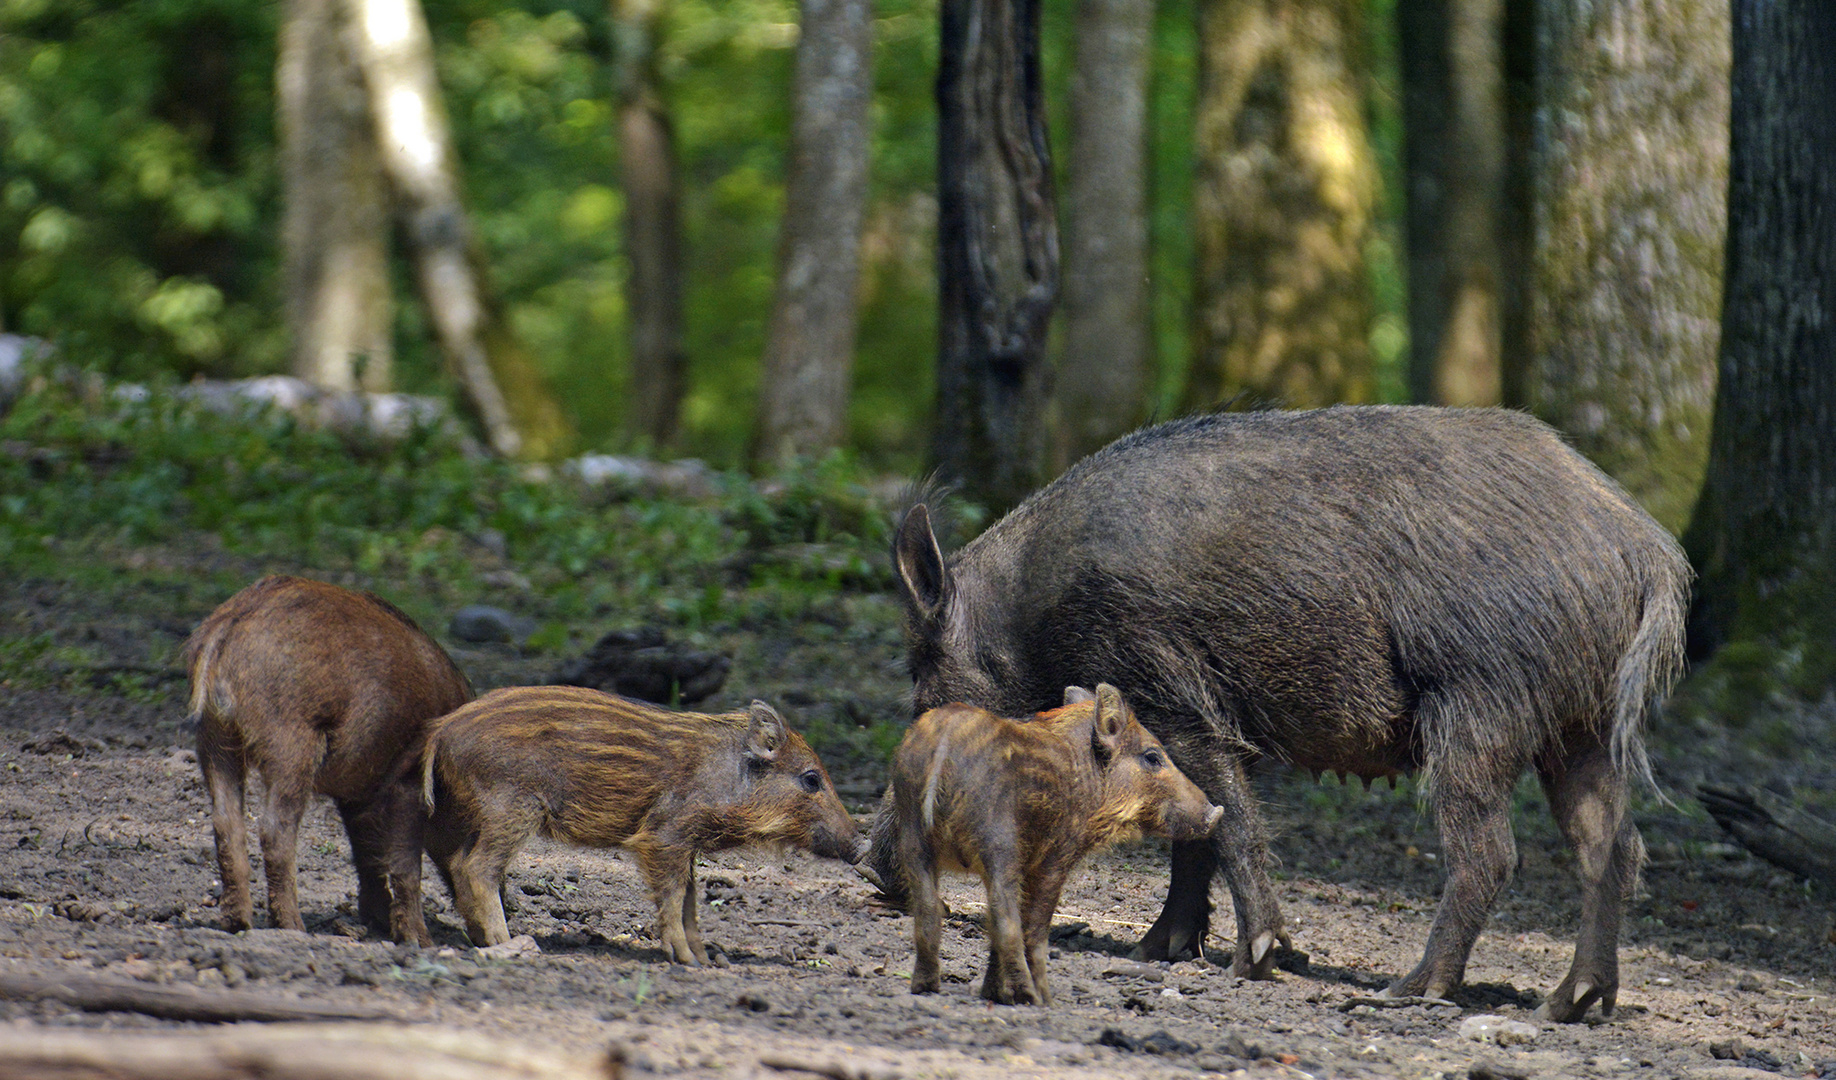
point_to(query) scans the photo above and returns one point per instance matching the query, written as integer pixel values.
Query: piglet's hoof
(517, 948)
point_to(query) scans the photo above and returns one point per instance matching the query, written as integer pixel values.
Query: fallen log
(292, 1052)
(93, 994)
(1776, 830)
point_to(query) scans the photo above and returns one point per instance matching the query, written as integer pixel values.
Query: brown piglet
(598, 770)
(1020, 803)
(325, 690)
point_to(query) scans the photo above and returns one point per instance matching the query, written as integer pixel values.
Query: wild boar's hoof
(1568, 1004)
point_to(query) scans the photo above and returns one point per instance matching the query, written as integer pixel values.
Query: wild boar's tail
(1649, 666)
(201, 663)
(427, 771)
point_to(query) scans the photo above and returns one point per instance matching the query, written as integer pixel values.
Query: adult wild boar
(1373, 591)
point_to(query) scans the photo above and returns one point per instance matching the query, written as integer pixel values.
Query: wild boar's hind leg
(1472, 810)
(362, 825)
(1588, 797)
(1037, 907)
(288, 792)
(220, 759)
(919, 866)
(1007, 980)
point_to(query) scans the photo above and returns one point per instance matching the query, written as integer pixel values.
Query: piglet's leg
(920, 877)
(1037, 907)
(1007, 980)
(287, 795)
(668, 871)
(691, 919)
(477, 877)
(220, 759)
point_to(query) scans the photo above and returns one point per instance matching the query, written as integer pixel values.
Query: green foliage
(119, 474)
(139, 208)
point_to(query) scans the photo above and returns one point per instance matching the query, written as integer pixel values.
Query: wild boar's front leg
(1588, 798)
(668, 869)
(691, 917)
(1239, 844)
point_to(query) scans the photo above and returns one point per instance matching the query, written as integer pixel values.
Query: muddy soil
(106, 868)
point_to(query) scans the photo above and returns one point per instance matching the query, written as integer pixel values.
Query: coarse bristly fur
(1020, 803)
(1367, 590)
(318, 689)
(598, 770)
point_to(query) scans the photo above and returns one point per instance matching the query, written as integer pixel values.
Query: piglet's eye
(1154, 759)
(811, 781)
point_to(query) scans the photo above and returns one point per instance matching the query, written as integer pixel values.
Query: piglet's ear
(766, 733)
(1077, 695)
(1112, 716)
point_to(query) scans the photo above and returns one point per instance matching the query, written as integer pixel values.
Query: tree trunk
(1764, 533)
(653, 229)
(1629, 205)
(499, 379)
(1451, 54)
(1282, 205)
(336, 225)
(1104, 372)
(809, 351)
(997, 249)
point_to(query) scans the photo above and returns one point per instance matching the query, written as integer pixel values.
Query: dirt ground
(106, 868)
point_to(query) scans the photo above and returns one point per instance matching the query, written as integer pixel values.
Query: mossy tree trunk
(1764, 533)
(1629, 207)
(997, 249)
(809, 349)
(498, 377)
(1452, 59)
(1104, 373)
(335, 224)
(1285, 186)
(653, 229)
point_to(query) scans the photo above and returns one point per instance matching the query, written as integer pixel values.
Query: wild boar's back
(1303, 579)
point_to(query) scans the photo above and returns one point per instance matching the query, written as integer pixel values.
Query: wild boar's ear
(1077, 695)
(1111, 718)
(920, 563)
(766, 733)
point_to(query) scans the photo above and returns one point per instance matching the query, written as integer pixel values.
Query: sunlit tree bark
(1451, 54)
(1104, 372)
(336, 221)
(498, 377)
(1764, 532)
(809, 349)
(997, 248)
(653, 229)
(1285, 185)
(1629, 191)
